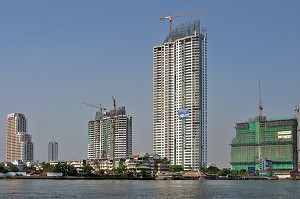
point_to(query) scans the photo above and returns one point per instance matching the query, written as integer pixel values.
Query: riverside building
(52, 151)
(180, 97)
(19, 144)
(110, 135)
(264, 144)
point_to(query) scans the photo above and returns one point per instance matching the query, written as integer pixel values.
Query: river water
(34, 188)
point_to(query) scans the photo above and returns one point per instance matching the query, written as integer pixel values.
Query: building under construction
(274, 140)
(110, 134)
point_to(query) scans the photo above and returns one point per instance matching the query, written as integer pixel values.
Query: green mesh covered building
(273, 139)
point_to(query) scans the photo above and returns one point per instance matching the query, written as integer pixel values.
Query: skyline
(54, 55)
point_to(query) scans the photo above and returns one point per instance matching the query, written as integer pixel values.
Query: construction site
(274, 140)
(110, 133)
(263, 144)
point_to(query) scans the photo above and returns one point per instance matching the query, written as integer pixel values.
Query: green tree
(224, 172)
(270, 173)
(257, 172)
(87, 170)
(175, 168)
(30, 169)
(3, 169)
(211, 170)
(122, 170)
(12, 168)
(71, 171)
(48, 167)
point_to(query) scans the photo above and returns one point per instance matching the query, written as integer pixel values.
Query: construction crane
(115, 104)
(113, 133)
(260, 101)
(101, 109)
(170, 17)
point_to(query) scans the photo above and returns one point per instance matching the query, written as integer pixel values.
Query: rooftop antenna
(260, 101)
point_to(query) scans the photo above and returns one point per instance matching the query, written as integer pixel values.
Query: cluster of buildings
(179, 107)
(179, 111)
(179, 121)
(19, 145)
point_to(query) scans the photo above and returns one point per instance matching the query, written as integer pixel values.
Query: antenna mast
(260, 101)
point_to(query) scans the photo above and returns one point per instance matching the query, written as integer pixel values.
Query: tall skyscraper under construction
(260, 139)
(180, 97)
(18, 142)
(110, 135)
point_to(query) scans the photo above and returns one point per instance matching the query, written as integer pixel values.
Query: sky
(56, 54)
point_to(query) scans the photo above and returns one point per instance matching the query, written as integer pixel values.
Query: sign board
(183, 113)
(284, 135)
(251, 170)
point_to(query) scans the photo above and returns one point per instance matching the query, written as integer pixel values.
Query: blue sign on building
(183, 113)
(251, 170)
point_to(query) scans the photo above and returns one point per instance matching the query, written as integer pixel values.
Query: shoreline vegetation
(79, 177)
(139, 178)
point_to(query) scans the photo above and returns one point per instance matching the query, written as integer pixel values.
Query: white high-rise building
(180, 97)
(110, 135)
(52, 151)
(19, 145)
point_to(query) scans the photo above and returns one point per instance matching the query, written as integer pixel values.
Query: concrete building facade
(110, 135)
(19, 144)
(52, 150)
(180, 97)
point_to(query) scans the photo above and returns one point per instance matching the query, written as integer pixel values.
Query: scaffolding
(274, 139)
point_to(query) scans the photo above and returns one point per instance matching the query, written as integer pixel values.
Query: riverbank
(79, 177)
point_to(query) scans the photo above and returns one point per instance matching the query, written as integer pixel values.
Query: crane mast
(260, 101)
(114, 131)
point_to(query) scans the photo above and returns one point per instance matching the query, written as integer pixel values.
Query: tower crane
(101, 109)
(170, 17)
(113, 133)
(260, 101)
(115, 104)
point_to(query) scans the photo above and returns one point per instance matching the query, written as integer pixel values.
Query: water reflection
(148, 189)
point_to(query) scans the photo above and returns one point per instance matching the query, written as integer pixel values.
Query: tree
(87, 170)
(257, 172)
(122, 170)
(175, 168)
(30, 169)
(224, 172)
(211, 170)
(48, 167)
(12, 168)
(3, 169)
(71, 171)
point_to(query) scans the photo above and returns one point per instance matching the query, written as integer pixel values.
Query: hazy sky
(56, 54)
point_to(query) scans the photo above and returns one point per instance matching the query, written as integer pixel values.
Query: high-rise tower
(18, 142)
(180, 97)
(53, 150)
(110, 135)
